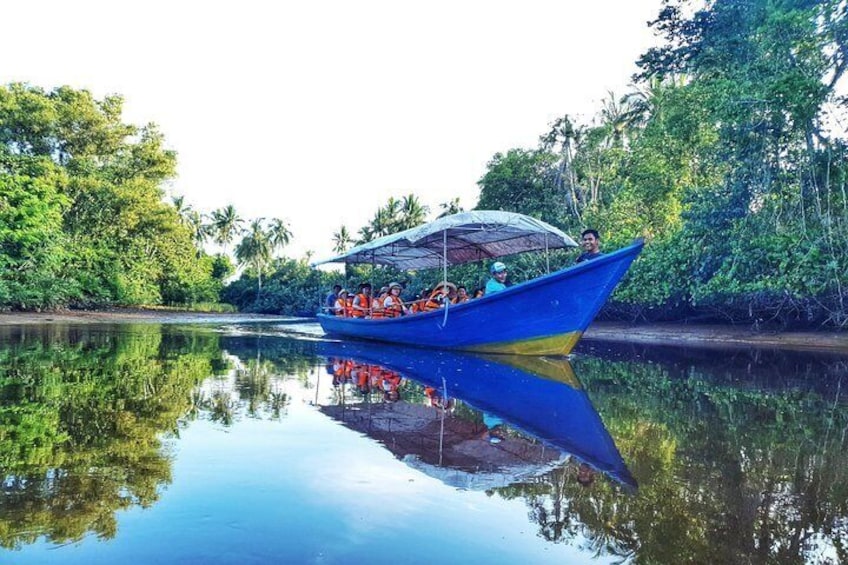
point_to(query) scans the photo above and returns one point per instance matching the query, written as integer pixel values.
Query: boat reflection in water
(472, 421)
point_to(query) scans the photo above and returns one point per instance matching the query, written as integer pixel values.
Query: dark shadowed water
(259, 444)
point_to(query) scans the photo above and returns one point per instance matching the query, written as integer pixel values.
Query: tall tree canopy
(85, 219)
(725, 156)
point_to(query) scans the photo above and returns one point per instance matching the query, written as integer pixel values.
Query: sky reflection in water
(739, 457)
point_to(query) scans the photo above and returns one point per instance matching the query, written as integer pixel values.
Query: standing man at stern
(591, 243)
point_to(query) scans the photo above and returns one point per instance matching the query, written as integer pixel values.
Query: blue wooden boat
(538, 395)
(543, 316)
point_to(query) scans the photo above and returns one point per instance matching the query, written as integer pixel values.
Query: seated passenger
(478, 293)
(330, 301)
(461, 294)
(418, 303)
(391, 386)
(341, 371)
(361, 374)
(498, 281)
(362, 302)
(436, 400)
(393, 305)
(341, 308)
(440, 296)
(377, 304)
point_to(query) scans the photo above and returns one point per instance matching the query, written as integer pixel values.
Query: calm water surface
(256, 444)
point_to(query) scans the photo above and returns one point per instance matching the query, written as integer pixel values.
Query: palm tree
(279, 234)
(392, 211)
(413, 212)
(341, 240)
(564, 133)
(253, 383)
(626, 114)
(450, 208)
(365, 234)
(193, 220)
(183, 209)
(255, 250)
(381, 223)
(226, 225)
(644, 100)
(200, 232)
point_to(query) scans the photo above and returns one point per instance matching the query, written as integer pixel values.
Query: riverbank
(131, 315)
(662, 334)
(711, 336)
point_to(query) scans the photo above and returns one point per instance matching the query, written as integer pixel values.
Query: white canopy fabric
(484, 480)
(464, 237)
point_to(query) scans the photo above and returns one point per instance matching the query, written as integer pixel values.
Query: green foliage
(81, 204)
(721, 158)
(31, 241)
(522, 181)
(293, 289)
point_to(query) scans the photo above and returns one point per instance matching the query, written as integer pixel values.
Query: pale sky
(318, 112)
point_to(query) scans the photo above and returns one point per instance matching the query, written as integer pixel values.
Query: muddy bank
(716, 336)
(665, 334)
(129, 315)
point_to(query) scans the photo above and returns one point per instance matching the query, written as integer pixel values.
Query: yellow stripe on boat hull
(561, 344)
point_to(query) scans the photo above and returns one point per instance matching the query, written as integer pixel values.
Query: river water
(270, 443)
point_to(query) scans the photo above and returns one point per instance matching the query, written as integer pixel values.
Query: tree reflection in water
(86, 414)
(82, 414)
(251, 381)
(734, 465)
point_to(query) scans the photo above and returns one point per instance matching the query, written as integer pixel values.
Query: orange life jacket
(343, 307)
(396, 308)
(392, 381)
(433, 302)
(377, 310)
(364, 302)
(341, 370)
(363, 376)
(377, 373)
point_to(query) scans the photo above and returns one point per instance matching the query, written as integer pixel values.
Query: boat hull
(544, 316)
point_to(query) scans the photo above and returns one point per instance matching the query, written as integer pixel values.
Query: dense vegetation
(82, 220)
(727, 156)
(83, 216)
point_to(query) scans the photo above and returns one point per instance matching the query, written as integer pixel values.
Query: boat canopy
(459, 238)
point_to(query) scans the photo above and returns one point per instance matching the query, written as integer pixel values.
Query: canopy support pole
(442, 423)
(547, 257)
(445, 273)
